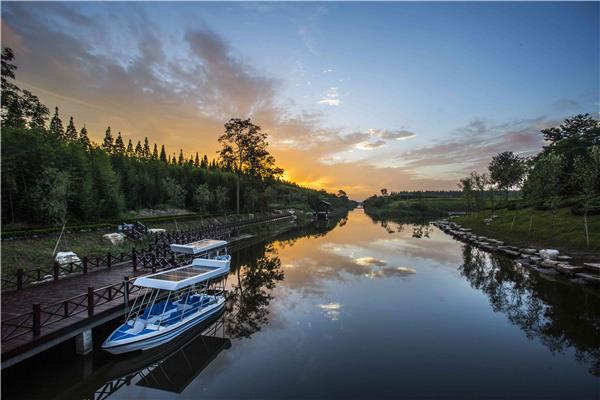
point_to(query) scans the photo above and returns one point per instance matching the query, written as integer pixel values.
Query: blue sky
(401, 95)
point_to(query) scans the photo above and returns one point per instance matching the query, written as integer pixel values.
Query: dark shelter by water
(361, 309)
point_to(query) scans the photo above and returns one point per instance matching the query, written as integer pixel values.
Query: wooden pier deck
(38, 317)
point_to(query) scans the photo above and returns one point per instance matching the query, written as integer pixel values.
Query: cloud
(368, 261)
(327, 71)
(331, 97)
(395, 135)
(369, 145)
(473, 145)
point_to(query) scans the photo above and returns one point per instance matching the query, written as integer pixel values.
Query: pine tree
(129, 151)
(139, 150)
(146, 148)
(155, 152)
(174, 159)
(163, 154)
(197, 160)
(181, 159)
(71, 132)
(107, 144)
(204, 163)
(119, 145)
(56, 126)
(191, 161)
(84, 138)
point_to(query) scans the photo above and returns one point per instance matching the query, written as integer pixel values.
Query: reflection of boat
(170, 302)
(197, 347)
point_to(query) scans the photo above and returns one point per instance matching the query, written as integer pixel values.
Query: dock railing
(23, 278)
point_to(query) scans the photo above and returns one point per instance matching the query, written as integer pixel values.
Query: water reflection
(559, 314)
(249, 298)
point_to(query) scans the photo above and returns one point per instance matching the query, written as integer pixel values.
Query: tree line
(53, 173)
(565, 173)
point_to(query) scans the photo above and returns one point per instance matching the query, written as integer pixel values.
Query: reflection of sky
(359, 299)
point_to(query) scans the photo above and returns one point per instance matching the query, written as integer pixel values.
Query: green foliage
(506, 170)
(203, 198)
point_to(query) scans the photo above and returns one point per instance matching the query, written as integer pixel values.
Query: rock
(156, 231)
(529, 251)
(567, 269)
(593, 266)
(591, 278)
(548, 263)
(564, 258)
(535, 259)
(548, 254)
(114, 238)
(66, 258)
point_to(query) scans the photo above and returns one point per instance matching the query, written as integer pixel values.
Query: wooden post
(19, 279)
(85, 264)
(90, 299)
(126, 292)
(108, 259)
(153, 263)
(55, 270)
(37, 325)
(134, 259)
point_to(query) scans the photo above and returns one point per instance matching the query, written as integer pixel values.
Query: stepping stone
(591, 278)
(564, 258)
(592, 266)
(568, 269)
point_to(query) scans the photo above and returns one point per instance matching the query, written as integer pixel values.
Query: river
(358, 309)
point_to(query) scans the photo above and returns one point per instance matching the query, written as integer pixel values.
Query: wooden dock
(42, 315)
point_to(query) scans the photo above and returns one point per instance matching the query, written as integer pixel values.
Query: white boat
(171, 302)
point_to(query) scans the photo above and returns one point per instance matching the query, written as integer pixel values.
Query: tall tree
(155, 152)
(181, 159)
(163, 154)
(139, 150)
(506, 171)
(12, 104)
(56, 125)
(129, 152)
(587, 175)
(197, 160)
(204, 162)
(35, 111)
(147, 153)
(244, 151)
(71, 132)
(119, 147)
(107, 143)
(84, 138)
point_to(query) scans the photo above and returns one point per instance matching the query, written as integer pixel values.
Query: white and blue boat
(171, 302)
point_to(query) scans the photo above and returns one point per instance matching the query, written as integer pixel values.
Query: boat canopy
(177, 278)
(200, 246)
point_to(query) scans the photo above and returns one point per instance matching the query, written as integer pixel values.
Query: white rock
(548, 254)
(67, 257)
(114, 238)
(156, 231)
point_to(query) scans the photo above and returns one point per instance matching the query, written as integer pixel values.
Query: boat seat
(158, 309)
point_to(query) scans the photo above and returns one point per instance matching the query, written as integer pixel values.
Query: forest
(54, 173)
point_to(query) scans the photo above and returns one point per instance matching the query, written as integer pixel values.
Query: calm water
(358, 309)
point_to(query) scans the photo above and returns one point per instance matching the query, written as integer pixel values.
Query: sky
(355, 96)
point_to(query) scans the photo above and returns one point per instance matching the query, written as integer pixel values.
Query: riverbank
(538, 228)
(382, 207)
(545, 261)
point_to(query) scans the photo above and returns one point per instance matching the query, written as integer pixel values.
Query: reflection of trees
(248, 299)
(558, 314)
(421, 230)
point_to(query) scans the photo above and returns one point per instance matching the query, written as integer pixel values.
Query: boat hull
(149, 341)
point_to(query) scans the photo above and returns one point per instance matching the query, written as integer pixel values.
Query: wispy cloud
(369, 145)
(327, 71)
(331, 97)
(392, 135)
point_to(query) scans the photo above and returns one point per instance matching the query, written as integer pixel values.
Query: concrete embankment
(546, 261)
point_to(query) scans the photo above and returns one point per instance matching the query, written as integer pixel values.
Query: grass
(36, 252)
(564, 232)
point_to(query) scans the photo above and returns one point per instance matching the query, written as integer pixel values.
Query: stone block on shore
(114, 238)
(548, 254)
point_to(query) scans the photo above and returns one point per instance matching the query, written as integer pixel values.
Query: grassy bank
(35, 252)
(564, 232)
(387, 208)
